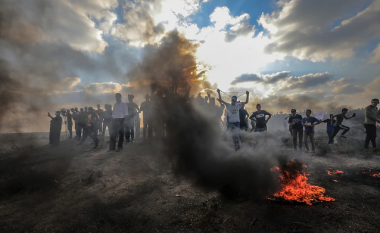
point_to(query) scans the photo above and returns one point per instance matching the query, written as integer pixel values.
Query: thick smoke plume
(198, 147)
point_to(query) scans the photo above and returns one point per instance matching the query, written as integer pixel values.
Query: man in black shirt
(295, 121)
(243, 114)
(338, 125)
(259, 118)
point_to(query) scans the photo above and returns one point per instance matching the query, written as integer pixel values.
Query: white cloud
(303, 28)
(60, 21)
(148, 21)
(348, 89)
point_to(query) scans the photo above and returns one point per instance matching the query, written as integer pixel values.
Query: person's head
(258, 107)
(344, 110)
(199, 94)
(76, 109)
(293, 111)
(72, 110)
(85, 109)
(206, 98)
(106, 106)
(242, 106)
(98, 106)
(81, 110)
(233, 99)
(68, 111)
(308, 112)
(130, 98)
(58, 113)
(90, 109)
(147, 97)
(118, 97)
(374, 102)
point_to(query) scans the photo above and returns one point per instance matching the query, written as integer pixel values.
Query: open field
(74, 189)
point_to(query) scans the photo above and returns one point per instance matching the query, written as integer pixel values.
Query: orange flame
(295, 187)
(376, 175)
(334, 172)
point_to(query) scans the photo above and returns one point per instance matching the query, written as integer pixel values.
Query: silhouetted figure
(133, 108)
(69, 123)
(91, 128)
(100, 112)
(146, 108)
(107, 119)
(55, 129)
(82, 119)
(371, 117)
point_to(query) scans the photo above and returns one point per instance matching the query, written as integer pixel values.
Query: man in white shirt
(233, 110)
(119, 118)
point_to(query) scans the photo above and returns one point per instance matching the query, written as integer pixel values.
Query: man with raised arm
(233, 110)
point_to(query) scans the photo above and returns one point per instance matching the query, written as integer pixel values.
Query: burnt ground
(74, 189)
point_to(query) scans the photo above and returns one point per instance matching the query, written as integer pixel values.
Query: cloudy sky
(326, 51)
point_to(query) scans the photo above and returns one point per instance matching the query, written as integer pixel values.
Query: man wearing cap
(260, 118)
(232, 109)
(295, 122)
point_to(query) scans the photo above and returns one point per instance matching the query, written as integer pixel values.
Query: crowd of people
(122, 121)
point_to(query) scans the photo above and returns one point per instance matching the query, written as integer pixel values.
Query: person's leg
(294, 134)
(145, 127)
(120, 130)
(335, 132)
(345, 129)
(312, 142)
(85, 135)
(306, 135)
(372, 129)
(300, 132)
(113, 133)
(132, 127)
(70, 128)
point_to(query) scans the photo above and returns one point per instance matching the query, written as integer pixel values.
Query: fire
(376, 175)
(294, 187)
(334, 172)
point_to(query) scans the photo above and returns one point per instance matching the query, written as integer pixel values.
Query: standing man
(55, 129)
(233, 118)
(338, 125)
(146, 108)
(243, 114)
(82, 119)
(309, 123)
(371, 117)
(120, 117)
(295, 125)
(91, 127)
(100, 112)
(69, 123)
(133, 108)
(107, 119)
(260, 118)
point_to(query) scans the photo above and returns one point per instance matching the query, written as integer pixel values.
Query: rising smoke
(197, 146)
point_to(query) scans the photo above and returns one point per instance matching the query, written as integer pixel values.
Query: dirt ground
(75, 189)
